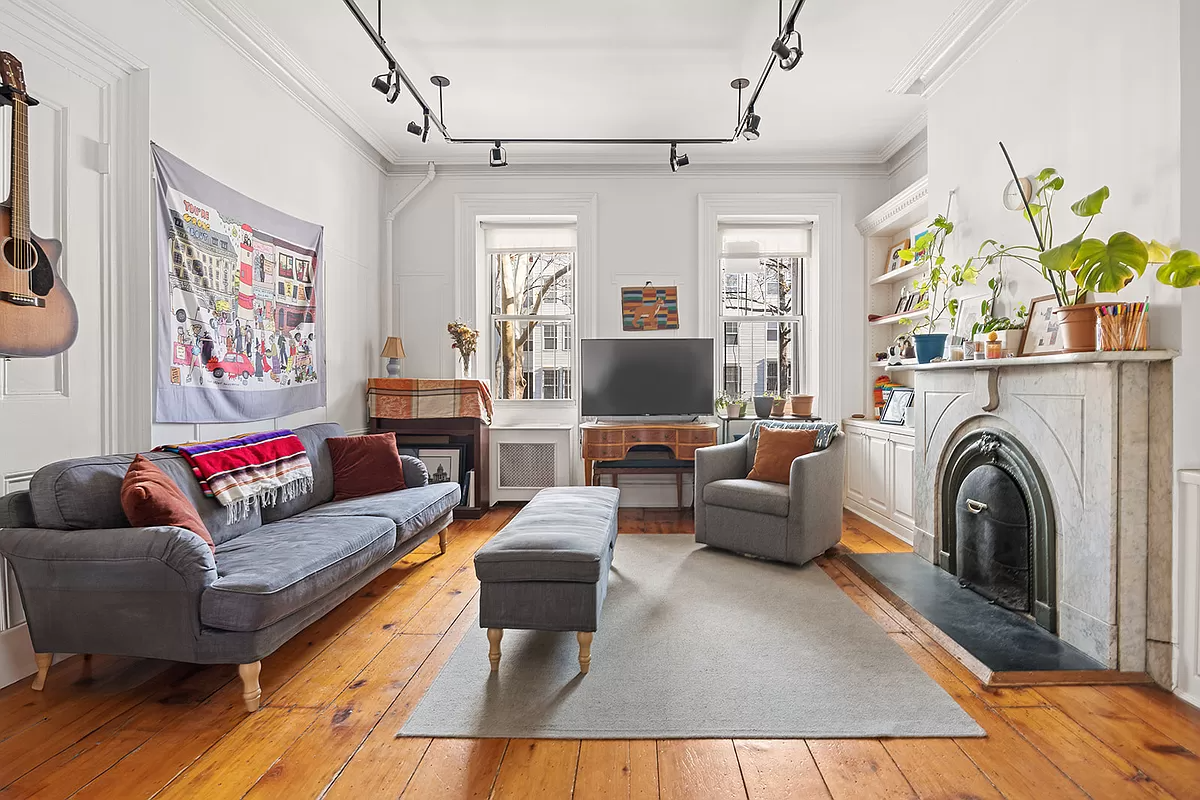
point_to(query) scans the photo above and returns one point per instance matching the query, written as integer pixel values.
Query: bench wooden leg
(585, 650)
(494, 637)
(44, 660)
(251, 691)
(442, 540)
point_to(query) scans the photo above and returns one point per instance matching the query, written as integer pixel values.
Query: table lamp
(393, 351)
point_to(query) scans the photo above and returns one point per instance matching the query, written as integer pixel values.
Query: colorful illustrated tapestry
(649, 308)
(240, 329)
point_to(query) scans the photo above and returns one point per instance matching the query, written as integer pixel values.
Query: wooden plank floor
(334, 696)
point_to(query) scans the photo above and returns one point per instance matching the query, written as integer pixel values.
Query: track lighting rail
(434, 118)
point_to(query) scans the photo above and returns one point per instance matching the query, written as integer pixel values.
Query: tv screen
(639, 377)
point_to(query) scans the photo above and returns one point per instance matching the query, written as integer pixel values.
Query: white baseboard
(874, 517)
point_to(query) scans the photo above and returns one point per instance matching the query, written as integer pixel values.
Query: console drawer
(651, 435)
(603, 452)
(698, 436)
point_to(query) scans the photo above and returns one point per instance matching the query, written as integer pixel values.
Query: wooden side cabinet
(613, 441)
(879, 474)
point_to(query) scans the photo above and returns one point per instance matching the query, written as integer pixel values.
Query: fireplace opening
(997, 525)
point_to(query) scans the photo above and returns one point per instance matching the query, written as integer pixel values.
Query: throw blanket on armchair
(269, 467)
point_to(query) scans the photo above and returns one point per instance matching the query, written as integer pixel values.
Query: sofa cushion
(85, 494)
(412, 510)
(151, 499)
(563, 534)
(282, 567)
(365, 465)
(313, 438)
(748, 495)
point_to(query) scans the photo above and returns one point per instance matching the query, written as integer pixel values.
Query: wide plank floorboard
(336, 694)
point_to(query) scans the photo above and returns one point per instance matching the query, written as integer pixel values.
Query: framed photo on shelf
(893, 260)
(902, 302)
(444, 463)
(898, 403)
(1041, 328)
(970, 311)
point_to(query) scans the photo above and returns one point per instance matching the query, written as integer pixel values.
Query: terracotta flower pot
(1078, 326)
(802, 405)
(777, 406)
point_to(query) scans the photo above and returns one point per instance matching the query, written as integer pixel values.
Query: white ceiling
(614, 68)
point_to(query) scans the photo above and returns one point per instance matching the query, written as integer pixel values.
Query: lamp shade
(393, 348)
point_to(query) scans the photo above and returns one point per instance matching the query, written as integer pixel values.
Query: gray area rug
(696, 643)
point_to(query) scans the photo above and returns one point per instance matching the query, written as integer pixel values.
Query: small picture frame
(1041, 335)
(444, 464)
(898, 403)
(902, 302)
(893, 260)
(970, 311)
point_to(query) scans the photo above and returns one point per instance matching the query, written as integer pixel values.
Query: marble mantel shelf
(1099, 357)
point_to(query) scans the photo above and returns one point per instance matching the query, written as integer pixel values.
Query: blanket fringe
(241, 509)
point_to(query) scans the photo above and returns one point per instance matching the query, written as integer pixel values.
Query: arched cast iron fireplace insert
(997, 525)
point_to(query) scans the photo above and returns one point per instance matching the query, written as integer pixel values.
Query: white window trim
(823, 281)
(472, 293)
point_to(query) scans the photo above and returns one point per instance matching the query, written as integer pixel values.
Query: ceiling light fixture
(414, 128)
(789, 56)
(498, 157)
(750, 126)
(678, 159)
(388, 84)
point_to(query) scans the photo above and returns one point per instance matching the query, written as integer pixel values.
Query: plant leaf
(1061, 258)
(1101, 267)
(1091, 205)
(907, 255)
(1046, 174)
(1158, 252)
(1036, 208)
(1182, 271)
(1053, 185)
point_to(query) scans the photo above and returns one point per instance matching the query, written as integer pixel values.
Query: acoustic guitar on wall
(37, 314)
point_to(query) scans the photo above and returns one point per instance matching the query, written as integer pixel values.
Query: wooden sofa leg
(585, 650)
(494, 637)
(251, 691)
(44, 660)
(442, 541)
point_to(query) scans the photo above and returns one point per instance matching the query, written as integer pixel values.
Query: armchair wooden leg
(44, 660)
(494, 636)
(251, 691)
(86, 672)
(442, 541)
(585, 650)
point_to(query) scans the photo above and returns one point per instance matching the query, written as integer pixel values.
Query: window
(762, 303)
(531, 280)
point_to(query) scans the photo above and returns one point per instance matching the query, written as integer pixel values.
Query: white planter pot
(1010, 341)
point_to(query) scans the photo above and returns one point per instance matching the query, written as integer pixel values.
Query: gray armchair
(792, 523)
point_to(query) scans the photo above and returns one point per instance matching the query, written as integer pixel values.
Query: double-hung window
(531, 277)
(762, 305)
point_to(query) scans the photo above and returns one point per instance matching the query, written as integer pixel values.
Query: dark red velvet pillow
(365, 465)
(150, 498)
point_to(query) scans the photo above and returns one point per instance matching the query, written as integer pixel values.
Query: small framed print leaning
(443, 463)
(1041, 328)
(898, 403)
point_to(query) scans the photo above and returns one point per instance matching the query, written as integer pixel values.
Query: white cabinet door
(877, 489)
(856, 465)
(901, 454)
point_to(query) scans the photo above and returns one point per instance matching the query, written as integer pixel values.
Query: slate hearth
(1000, 639)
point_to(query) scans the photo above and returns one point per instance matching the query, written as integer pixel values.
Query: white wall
(212, 108)
(647, 229)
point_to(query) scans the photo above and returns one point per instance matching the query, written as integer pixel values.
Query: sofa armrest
(717, 463)
(815, 504)
(16, 511)
(415, 473)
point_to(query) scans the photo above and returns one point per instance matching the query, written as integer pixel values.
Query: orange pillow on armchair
(777, 448)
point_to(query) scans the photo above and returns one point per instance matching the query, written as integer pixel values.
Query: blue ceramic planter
(929, 346)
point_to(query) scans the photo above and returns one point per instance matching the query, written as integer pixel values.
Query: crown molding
(953, 44)
(915, 127)
(69, 42)
(902, 203)
(242, 31)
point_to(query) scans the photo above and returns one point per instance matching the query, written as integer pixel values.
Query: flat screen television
(644, 377)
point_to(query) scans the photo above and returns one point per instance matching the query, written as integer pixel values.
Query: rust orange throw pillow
(777, 448)
(365, 465)
(150, 498)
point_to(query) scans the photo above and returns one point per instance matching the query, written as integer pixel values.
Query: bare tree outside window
(530, 291)
(761, 311)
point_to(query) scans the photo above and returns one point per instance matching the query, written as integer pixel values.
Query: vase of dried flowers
(463, 340)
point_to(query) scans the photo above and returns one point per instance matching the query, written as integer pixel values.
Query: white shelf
(912, 270)
(904, 364)
(892, 319)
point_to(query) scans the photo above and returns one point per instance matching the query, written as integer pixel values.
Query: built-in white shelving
(892, 319)
(897, 275)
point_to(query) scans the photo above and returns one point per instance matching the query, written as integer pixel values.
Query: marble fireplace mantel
(1098, 426)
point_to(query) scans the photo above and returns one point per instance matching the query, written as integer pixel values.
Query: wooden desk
(604, 441)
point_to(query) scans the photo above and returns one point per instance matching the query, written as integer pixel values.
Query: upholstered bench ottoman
(547, 570)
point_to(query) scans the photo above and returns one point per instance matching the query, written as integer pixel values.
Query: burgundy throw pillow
(150, 498)
(365, 465)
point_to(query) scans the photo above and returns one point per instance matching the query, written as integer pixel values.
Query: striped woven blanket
(267, 467)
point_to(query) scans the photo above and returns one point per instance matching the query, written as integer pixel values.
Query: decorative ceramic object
(762, 406)
(1078, 326)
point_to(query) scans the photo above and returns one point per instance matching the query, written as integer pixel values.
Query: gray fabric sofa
(90, 583)
(792, 523)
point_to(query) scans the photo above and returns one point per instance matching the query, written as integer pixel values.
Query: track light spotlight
(789, 56)
(388, 84)
(677, 160)
(750, 129)
(497, 157)
(413, 128)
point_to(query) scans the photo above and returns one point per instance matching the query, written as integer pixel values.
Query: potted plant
(763, 403)
(935, 288)
(733, 405)
(1082, 265)
(778, 403)
(802, 405)
(1008, 329)
(463, 339)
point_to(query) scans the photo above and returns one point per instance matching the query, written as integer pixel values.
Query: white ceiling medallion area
(953, 44)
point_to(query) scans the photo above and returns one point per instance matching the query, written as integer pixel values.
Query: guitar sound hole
(27, 250)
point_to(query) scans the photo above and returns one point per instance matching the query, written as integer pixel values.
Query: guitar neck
(19, 179)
